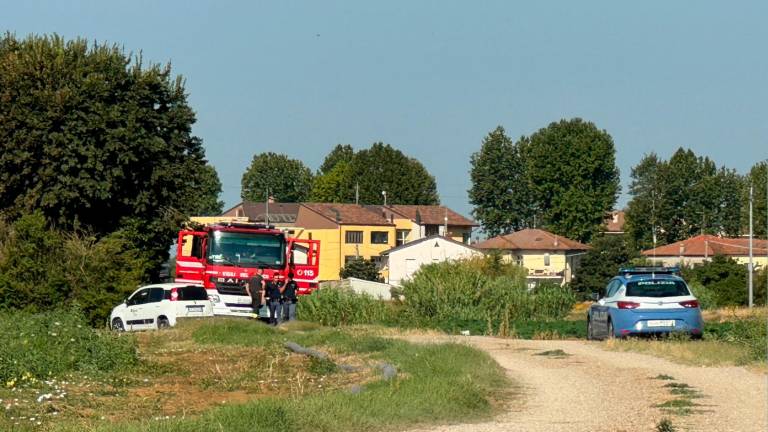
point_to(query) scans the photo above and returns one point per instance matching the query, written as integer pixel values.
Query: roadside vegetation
(234, 374)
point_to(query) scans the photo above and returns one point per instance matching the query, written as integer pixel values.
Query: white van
(160, 305)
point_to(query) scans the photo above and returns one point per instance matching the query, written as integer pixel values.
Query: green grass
(438, 383)
(36, 346)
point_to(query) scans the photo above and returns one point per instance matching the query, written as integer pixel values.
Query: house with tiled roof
(419, 221)
(547, 256)
(698, 249)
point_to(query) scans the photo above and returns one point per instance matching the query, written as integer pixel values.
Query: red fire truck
(222, 257)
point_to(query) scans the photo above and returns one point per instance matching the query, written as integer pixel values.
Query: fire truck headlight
(214, 298)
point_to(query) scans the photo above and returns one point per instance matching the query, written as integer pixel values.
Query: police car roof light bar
(628, 271)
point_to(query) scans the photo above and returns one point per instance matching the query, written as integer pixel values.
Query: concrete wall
(404, 262)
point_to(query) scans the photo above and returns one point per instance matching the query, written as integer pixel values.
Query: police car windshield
(246, 249)
(657, 288)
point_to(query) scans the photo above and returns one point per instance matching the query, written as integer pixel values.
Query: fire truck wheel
(162, 322)
(117, 325)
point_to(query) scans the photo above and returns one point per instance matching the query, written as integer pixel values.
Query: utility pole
(751, 198)
(266, 219)
(357, 193)
(385, 197)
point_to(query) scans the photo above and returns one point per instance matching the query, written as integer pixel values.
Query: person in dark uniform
(290, 298)
(272, 290)
(255, 289)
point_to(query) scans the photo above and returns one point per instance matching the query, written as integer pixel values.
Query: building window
(354, 237)
(348, 258)
(465, 237)
(379, 237)
(378, 261)
(402, 237)
(546, 259)
(430, 230)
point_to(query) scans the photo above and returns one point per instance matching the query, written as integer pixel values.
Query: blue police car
(645, 300)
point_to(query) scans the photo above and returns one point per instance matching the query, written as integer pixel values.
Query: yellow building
(547, 256)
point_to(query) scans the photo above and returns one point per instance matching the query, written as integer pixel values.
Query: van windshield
(657, 288)
(246, 249)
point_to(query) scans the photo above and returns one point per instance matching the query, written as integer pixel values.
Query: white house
(403, 261)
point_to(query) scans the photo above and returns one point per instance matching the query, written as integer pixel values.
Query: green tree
(500, 191)
(571, 168)
(205, 194)
(94, 138)
(335, 186)
(360, 268)
(288, 180)
(757, 177)
(608, 254)
(340, 153)
(384, 168)
(682, 197)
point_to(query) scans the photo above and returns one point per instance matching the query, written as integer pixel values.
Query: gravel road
(591, 389)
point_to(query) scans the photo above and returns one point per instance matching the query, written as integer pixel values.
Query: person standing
(272, 290)
(290, 298)
(255, 289)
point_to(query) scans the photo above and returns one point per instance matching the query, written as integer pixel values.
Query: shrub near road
(481, 290)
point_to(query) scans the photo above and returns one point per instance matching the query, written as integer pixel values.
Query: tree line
(344, 176)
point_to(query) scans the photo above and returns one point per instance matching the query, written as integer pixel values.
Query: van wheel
(117, 325)
(163, 322)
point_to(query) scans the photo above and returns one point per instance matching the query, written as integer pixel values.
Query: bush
(338, 306)
(608, 254)
(466, 290)
(725, 278)
(42, 268)
(41, 345)
(749, 333)
(361, 268)
(707, 298)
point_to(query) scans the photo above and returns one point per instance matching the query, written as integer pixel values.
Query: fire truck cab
(222, 257)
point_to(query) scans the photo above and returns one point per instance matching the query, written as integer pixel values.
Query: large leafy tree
(500, 191)
(371, 171)
(286, 179)
(384, 168)
(758, 178)
(95, 139)
(571, 168)
(206, 193)
(682, 197)
(335, 186)
(340, 153)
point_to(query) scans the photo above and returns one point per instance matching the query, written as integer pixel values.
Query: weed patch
(665, 425)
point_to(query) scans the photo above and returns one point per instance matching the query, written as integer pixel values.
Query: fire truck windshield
(246, 249)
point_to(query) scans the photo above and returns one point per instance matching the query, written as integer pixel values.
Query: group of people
(280, 298)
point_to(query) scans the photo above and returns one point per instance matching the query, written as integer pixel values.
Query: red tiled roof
(614, 222)
(709, 245)
(431, 215)
(349, 214)
(531, 239)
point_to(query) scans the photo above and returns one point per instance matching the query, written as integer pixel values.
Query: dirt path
(596, 390)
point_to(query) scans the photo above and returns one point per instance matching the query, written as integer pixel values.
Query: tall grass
(41, 345)
(481, 289)
(338, 306)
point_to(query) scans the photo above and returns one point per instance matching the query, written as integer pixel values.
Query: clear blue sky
(432, 78)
